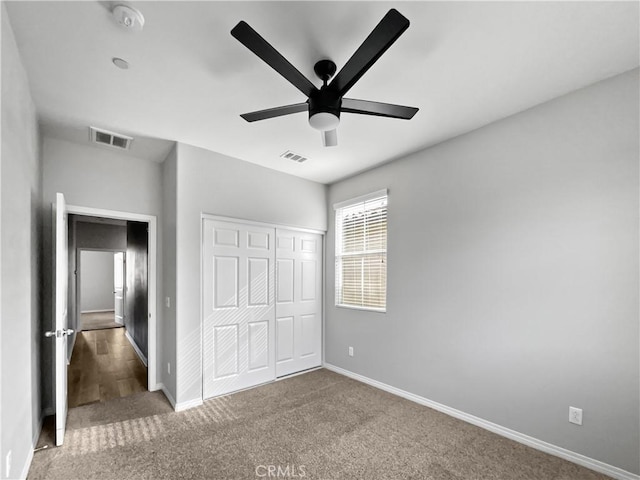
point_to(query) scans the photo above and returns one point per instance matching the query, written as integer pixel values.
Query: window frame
(339, 255)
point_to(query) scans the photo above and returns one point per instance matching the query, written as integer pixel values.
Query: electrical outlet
(169, 368)
(8, 465)
(351, 351)
(575, 415)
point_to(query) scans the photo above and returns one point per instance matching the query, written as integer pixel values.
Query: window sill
(366, 309)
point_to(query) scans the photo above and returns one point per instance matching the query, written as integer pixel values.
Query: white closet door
(298, 301)
(238, 310)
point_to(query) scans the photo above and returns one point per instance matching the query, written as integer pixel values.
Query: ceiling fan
(326, 103)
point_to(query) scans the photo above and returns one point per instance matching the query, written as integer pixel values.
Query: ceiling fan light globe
(324, 121)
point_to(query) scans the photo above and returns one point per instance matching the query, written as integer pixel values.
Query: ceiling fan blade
(329, 138)
(275, 112)
(392, 25)
(258, 45)
(365, 107)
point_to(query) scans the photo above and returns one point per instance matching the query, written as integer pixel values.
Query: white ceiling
(464, 64)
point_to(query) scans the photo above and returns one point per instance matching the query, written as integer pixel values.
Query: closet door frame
(275, 227)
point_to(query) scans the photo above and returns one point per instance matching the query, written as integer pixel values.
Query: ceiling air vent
(289, 155)
(110, 139)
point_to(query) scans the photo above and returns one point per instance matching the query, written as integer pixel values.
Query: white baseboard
(179, 407)
(27, 464)
(155, 387)
(34, 442)
(532, 442)
(97, 311)
(167, 394)
(143, 359)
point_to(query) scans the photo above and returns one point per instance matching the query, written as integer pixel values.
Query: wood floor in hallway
(98, 320)
(104, 366)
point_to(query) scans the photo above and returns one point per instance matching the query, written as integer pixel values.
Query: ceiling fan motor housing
(325, 100)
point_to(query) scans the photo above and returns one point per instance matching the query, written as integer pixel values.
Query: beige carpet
(98, 320)
(319, 424)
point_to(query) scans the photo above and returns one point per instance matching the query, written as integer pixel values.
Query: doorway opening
(100, 289)
(66, 314)
(108, 308)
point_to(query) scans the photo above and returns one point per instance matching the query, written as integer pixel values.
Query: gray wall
(136, 296)
(73, 302)
(101, 236)
(96, 272)
(209, 182)
(99, 178)
(168, 330)
(513, 274)
(20, 256)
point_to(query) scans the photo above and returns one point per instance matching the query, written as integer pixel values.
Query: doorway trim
(152, 222)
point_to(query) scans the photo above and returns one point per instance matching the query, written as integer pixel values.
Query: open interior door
(118, 286)
(59, 335)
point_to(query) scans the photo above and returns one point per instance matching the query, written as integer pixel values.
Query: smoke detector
(128, 17)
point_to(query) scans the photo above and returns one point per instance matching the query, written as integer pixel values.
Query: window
(361, 252)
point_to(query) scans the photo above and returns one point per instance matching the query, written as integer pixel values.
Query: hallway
(104, 366)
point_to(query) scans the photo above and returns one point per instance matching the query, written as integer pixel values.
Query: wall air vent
(289, 155)
(110, 139)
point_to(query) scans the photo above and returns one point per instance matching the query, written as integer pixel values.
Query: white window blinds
(361, 252)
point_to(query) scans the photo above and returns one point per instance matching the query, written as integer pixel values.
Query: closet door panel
(238, 306)
(299, 301)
